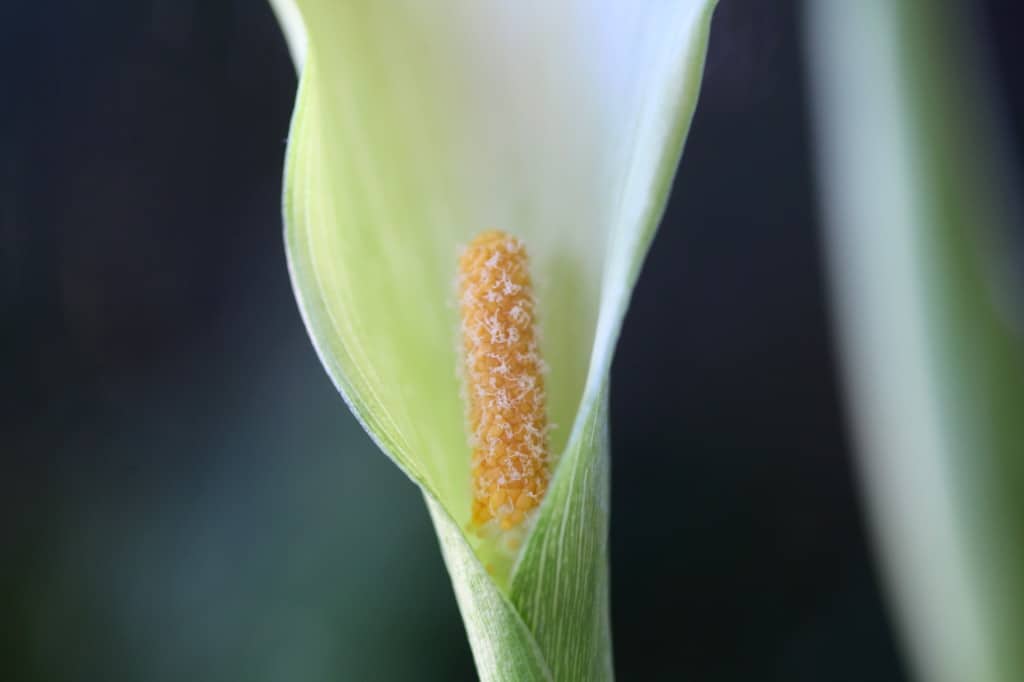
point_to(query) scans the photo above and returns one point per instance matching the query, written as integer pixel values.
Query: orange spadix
(503, 374)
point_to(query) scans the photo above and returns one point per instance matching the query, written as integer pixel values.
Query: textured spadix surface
(418, 125)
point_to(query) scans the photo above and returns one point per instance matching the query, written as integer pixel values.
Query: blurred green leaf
(921, 245)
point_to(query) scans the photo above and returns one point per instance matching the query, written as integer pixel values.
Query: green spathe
(418, 125)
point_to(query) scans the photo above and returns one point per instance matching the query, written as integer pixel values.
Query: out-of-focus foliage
(236, 563)
(924, 245)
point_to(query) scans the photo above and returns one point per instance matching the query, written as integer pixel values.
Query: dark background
(184, 496)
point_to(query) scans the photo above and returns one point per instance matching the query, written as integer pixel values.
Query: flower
(419, 125)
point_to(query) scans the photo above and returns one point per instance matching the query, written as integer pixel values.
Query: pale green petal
(560, 585)
(503, 646)
(930, 323)
(418, 125)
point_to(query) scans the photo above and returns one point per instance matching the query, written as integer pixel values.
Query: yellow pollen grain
(504, 382)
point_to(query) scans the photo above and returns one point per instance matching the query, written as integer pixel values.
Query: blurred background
(183, 494)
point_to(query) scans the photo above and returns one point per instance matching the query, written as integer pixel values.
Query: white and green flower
(419, 124)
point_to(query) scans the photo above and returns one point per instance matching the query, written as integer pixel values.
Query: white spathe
(420, 124)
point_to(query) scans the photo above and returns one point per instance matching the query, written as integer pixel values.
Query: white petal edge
(290, 20)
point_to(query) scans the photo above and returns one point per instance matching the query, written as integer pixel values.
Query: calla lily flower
(418, 125)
